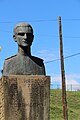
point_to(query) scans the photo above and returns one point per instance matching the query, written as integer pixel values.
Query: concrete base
(2, 110)
(26, 97)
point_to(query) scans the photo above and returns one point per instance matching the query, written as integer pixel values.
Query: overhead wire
(50, 20)
(64, 58)
(59, 58)
(48, 35)
(43, 20)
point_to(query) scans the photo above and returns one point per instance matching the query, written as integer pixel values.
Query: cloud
(73, 76)
(72, 85)
(71, 81)
(56, 78)
(47, 55)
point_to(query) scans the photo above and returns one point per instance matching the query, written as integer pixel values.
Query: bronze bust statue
(23, 63)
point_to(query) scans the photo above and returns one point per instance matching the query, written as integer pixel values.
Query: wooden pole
(64, 102)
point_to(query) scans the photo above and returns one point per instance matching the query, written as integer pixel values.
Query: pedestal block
(2, 110)
(26, 97)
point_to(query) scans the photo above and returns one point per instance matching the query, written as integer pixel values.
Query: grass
(73, 104)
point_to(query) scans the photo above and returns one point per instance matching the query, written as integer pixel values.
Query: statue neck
(25, 51)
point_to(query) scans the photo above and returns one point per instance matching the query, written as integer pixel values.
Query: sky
(43, 16)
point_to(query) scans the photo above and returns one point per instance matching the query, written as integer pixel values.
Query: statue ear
(33, 36)
(14, 38)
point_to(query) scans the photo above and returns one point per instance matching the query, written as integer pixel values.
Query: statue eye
(21, 34)
(29, 35)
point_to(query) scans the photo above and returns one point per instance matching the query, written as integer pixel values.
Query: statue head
(23, 34)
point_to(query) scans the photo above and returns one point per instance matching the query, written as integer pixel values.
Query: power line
(59, 58)
(64, 58)
(72, 19)
(71, 55)
(43, 20)
(48, 35)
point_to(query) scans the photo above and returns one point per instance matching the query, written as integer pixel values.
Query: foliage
(73, 105)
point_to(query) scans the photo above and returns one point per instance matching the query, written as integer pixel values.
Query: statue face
(23, 36)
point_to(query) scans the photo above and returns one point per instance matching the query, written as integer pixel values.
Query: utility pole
(64, 102)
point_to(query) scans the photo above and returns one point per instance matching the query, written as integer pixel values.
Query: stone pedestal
(26, 97)
(2, 114)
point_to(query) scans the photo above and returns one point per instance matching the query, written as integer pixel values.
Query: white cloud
(72, 85)
(71, 81)
(56, 78)
(47, 55)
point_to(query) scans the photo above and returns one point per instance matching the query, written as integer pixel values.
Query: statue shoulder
(37, 60)
(11, 57)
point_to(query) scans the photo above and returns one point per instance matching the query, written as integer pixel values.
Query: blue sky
(43, 16)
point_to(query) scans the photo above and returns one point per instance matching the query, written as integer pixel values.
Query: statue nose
(25, 36)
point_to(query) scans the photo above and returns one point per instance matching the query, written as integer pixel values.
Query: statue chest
(23, 66)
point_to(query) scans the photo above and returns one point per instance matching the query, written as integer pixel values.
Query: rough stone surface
(2, 115)
(26, 97)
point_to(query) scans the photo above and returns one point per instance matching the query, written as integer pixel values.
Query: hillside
(73, 103)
